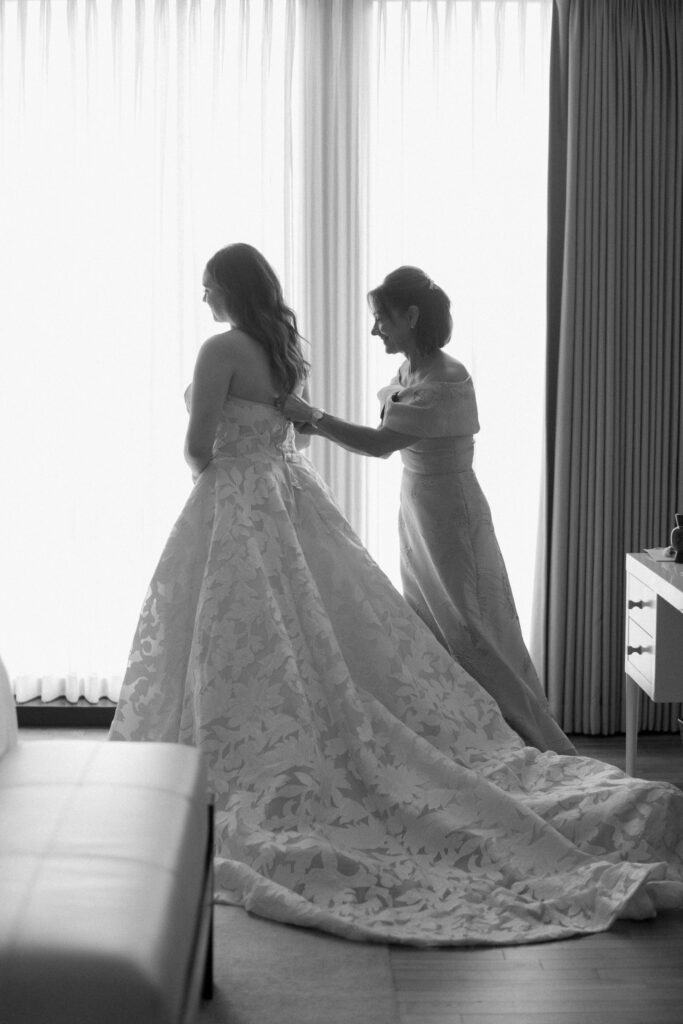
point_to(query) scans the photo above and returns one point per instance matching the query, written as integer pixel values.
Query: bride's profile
(364, 783)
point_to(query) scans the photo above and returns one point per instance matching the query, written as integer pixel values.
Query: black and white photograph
(341, 521)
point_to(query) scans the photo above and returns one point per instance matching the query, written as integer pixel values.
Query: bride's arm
(210, 384)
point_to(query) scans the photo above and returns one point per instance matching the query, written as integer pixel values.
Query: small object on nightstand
(660, 554)
(677, 538)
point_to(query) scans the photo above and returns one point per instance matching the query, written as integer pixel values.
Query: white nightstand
(654, 639)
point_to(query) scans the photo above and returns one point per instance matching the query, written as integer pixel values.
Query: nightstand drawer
(654, 630)
(641, 604)
(640, 656)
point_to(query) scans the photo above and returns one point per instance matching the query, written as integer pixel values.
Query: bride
(364, 783)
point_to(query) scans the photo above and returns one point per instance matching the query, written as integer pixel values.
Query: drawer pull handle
(636, 604)
(635, 650)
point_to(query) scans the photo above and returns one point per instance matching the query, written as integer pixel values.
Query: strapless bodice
(248, 429)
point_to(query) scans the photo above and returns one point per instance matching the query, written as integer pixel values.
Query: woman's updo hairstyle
(410, 286)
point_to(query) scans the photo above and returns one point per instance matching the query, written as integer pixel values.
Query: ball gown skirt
(364, 783)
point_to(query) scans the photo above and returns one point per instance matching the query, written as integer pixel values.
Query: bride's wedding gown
(364, 783)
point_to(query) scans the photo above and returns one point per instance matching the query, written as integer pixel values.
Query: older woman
(452, 569)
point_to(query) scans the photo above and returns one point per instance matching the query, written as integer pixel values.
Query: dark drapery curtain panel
(615, 373)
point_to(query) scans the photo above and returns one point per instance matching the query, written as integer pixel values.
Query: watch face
(316, 415)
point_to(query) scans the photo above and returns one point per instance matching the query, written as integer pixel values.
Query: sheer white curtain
(458, 187)
(342, 137)
(136, 139)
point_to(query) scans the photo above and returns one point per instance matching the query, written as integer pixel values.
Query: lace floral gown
(452, 570)
(364, 783)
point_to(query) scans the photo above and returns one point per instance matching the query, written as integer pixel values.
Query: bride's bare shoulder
(235, 346)
(232, 339)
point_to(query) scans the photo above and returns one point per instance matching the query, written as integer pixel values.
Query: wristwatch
(316, 416)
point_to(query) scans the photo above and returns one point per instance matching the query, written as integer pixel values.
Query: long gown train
(364, 783)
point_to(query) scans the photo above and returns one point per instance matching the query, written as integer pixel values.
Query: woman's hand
(295, 409)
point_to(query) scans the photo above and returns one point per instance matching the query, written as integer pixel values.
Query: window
(135, 140)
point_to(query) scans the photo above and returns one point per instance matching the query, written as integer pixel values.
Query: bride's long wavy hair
(254, 297)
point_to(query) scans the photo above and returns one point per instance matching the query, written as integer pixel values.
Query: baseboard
(62, 714)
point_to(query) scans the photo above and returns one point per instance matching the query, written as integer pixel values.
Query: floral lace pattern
(364, 783)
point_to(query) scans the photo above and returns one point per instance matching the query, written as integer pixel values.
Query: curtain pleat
(334, 239)
(614, 381)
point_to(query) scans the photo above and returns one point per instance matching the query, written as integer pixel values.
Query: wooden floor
(632, 974)
(629, 975)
